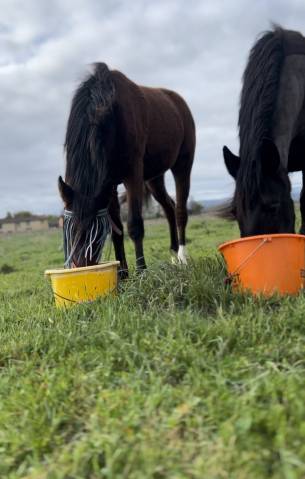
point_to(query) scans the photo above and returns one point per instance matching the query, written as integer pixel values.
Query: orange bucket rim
(257, 237)
(83, 269)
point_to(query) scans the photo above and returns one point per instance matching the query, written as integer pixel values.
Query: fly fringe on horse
(94, 241)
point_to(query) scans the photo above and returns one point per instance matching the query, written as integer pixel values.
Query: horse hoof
(140, 271)
(123, 274)
(182, 258)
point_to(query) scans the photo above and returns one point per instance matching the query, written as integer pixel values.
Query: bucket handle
(230, 277)
(63, 297)
(72, 300)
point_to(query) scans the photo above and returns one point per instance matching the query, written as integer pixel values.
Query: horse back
(152, 116)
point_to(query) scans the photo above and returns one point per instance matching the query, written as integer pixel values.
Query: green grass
(176, 377)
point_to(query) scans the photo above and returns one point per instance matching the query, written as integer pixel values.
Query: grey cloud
(197, 48)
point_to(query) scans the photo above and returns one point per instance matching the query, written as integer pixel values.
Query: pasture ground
(173, 378)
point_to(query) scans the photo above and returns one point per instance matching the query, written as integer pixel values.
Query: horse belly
(156, 165)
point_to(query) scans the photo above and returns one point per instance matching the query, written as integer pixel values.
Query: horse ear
(232, 161)
(66, 192)
(269, 157)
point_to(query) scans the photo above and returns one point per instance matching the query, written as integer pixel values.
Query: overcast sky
(198, 48)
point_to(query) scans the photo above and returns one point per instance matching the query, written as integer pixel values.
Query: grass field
(174, 378)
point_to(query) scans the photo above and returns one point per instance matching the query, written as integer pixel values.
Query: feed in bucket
(266, 264)
(79, 285)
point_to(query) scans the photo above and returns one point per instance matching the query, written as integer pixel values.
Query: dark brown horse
(120, 132)
(272, 135)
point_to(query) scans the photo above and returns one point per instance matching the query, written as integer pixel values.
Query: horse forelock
(84, 209)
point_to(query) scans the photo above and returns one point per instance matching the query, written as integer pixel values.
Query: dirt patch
(7, 269)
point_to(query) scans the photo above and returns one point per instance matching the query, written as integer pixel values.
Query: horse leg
(302, 205)
(182, 174)
(135, 222)
(158, 190)
(118, 234)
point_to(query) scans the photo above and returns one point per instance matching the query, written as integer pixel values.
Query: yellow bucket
(78, 285)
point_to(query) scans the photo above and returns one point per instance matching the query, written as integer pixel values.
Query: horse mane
(90, 111)
(258, 100)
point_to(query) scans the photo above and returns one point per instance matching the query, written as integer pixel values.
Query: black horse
(120, 132)
(272, 135)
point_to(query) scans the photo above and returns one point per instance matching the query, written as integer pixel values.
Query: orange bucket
(266, 264)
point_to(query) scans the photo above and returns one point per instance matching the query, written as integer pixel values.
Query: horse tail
(147, 196)
(91, 111)
(226, 210)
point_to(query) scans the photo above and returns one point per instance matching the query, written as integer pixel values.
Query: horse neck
(289, 117)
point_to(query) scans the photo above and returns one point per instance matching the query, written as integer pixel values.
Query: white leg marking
(182, 254)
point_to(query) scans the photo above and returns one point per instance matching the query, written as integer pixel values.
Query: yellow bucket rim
(84, 269)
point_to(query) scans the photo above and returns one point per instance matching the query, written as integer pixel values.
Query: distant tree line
(153, 210)
(27, 215)
(150, 210)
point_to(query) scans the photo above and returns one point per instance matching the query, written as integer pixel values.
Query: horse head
(86, 225)
(262, 202)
